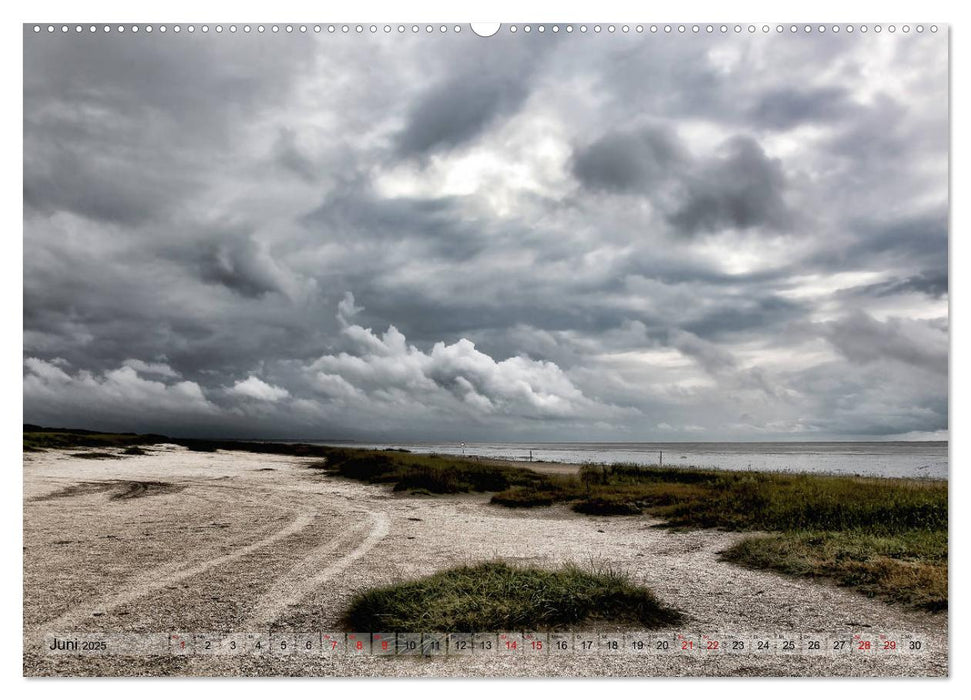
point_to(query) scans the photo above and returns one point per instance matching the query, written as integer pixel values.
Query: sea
(888, 459)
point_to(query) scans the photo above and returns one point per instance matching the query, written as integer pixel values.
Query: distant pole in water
(660, 458)
(530, 455)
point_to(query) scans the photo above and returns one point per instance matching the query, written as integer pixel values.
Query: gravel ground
(185, 541)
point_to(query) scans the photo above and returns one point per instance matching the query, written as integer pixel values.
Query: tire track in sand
(150, 581)
(307, 575)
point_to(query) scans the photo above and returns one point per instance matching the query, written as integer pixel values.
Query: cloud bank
(565, 237)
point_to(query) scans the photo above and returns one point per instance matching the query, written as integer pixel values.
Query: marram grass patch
(496, 596)
(431, 473)
(909, 568)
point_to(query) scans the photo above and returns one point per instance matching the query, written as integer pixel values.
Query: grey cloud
(438, 224)
(459, 110)
(918, 239)
(488, 82)
(787, 107)
(710, 356)
(736, 187)
(863, 339)
(575, 238)
(740, 188)
(857, 399)
(719, 363)
(100, 186)
(629, 161)
(111, 397)
(933, 283)
(241, 264)
(287, 153)
(742, 314)
(121, 128)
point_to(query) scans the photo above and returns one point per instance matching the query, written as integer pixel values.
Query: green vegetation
(909, 568)
(764, 500)
(496, 596)
(37, 438)
(425, 473)
(884, 537)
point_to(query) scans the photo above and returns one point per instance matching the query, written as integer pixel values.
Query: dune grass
(37, 438)
(909, 568)
(884, 537)
(496, 596)
(425, 473)
(767, 500)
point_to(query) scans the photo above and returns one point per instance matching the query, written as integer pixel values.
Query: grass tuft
(909, 568)
(496, 596)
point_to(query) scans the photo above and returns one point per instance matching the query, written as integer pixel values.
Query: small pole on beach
(463, 449)
(530, 455)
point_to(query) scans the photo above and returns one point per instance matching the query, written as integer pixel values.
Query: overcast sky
(542, 237)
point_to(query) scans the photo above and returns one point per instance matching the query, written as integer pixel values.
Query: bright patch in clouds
(256, 388)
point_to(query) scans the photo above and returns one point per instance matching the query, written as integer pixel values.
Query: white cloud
(346, 310)
(256, 388)
(158, 368)
(386, 369)
(116, 394)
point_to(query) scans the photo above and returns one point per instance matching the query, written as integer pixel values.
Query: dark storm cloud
(933, 283)
(919, 238)
(740, 188)
(740, 315)
(239, 263)
(489, 82)
(863, 339)
(438, 225)
(114, 127)
(737, 187)
(629, 161)
(457, 111)
(289, 155)
(787, 107)
(97, 186)
(527, 236)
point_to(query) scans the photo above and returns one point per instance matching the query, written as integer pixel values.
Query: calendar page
(485, 350)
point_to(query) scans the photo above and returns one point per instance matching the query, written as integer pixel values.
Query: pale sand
(222, 545)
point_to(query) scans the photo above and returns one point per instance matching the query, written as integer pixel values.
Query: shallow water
(898, 459)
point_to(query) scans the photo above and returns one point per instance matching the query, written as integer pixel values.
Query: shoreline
(571, 469)
(930, 461)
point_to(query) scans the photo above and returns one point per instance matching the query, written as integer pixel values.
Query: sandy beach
(230, 541)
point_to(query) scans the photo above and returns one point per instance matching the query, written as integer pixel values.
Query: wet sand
(228, 541)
